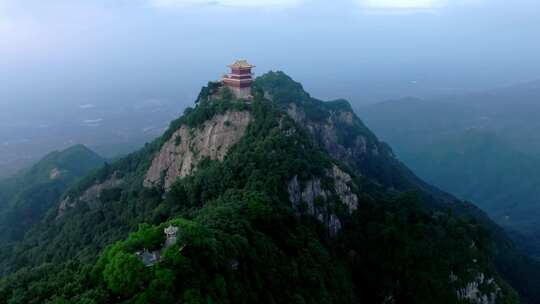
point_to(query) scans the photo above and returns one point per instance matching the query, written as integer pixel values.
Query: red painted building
(240, 78)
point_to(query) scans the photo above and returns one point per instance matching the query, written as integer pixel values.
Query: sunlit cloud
(413, 5)
(225, 3)
(402, 4)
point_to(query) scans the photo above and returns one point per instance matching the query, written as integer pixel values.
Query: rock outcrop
(90, 196)
(476, 291)
(179, 156)
(348, 140)
(342, 182)
(55, 173)
(318, 201)
(327, 134)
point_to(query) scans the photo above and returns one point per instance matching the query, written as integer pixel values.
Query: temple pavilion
(240, 79)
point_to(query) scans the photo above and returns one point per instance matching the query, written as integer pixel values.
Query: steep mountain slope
(480, 147)
(521, 270)
(283, 199)
(25, 197)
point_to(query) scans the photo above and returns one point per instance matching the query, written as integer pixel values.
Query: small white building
(170, 232)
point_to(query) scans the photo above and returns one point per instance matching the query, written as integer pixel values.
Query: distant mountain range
(483, 147)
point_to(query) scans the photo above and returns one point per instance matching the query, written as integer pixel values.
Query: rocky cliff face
(91, 196)
(318, 196)
(180, 155)
(177, 158)
(329, 133)
(343, 135)
(481, 290)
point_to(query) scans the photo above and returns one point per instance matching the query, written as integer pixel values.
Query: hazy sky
(59, 52)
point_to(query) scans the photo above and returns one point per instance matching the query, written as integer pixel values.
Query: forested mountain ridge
(26, 196)
(283, 199)
(481, 147)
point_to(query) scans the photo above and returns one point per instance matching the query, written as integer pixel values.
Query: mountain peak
(77, 159)
(278, 185)
(281, 88)
(28, 195)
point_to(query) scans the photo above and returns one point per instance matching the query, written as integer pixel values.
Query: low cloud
(402, 4)
(92, 122)
(413, 5)
(87, 106)
(225, 3)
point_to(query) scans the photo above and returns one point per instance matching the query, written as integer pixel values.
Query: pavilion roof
(241, 64)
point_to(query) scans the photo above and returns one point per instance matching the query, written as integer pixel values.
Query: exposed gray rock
(313, 192)
(90, 196)
(268, 96)
(55, 173)
(180, 155)
(473, 293)
(389, 300)
(342, 181)
(334, 225)
(347, 117)
(295, 194)
(326, 134)
(296, 113)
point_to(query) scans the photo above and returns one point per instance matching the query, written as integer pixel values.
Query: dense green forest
(240, 238)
